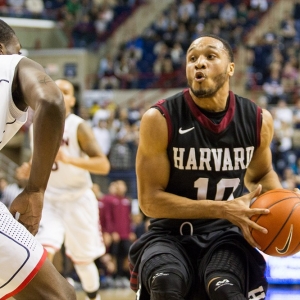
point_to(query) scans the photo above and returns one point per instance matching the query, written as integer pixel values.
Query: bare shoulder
(28, 63)
(153, 130)
(31, 72)
(153, 117)
(85, 134)
(84, 127)
(87, 140)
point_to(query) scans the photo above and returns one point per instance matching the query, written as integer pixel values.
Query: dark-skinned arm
(37, 90)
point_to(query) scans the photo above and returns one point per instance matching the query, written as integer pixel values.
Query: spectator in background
(273, 87)
(109, 81)
(177, 55)
(73, 7)
(288, 30)
(84, 32)
(102, 135)
(259, 5)
(296, 16)
(104, 140)
(228, 14)
(16, 8)
(35, 8)
(115, 217)
(186, 7)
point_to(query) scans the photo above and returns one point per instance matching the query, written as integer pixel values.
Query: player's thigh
(48, 284)
(51, 230)
(83, 239)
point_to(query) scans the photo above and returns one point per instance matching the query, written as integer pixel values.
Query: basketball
(282, 223)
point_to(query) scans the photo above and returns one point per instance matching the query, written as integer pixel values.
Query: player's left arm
(97, 162)
(260, 170)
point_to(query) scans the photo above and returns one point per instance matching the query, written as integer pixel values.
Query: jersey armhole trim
(165, 113)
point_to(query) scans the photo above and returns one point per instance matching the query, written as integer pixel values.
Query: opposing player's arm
(37, 90)
(260, 170)
(97, 162)
(33, 87)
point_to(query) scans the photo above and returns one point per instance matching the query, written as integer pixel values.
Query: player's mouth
(199, 76)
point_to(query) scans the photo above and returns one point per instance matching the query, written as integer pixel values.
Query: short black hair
(6, 32)
(224, 42)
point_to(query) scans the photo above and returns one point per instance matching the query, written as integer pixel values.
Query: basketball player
(25, 271)
(70, 212)
(197, 151)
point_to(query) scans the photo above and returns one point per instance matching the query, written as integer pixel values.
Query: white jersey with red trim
(11, 118)
(68, 182)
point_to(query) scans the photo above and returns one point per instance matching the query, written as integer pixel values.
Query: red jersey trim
(165, 113)
(206, 122)
(29, 277)
(259, 124)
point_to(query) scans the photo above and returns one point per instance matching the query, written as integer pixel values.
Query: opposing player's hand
(27, 209)
(238, 212)
(61, 156)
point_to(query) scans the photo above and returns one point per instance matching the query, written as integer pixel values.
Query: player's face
(208, 67)
(68, 92)
(12, 47)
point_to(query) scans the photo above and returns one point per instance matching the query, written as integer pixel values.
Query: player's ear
(231, 69)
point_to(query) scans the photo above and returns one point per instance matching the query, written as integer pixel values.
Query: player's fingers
(257, 227)
(249, 238)
(259, 211)
(296, 190)
(256, 192)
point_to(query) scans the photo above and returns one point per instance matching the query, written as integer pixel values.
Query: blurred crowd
(156, 59)
(273, 59)
(84, 22)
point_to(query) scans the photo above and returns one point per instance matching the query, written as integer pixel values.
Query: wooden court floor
(111, 294)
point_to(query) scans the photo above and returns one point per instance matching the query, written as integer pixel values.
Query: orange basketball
(283, 222)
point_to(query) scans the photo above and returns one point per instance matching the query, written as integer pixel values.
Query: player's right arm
(153, 170)
(33, 87)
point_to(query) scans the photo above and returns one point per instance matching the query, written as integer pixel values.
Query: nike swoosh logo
(183, 131)
(287, 243)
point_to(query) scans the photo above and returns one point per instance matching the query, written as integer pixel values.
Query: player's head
(226, 45)
(209, 65)
(9, 43)
(67, 89)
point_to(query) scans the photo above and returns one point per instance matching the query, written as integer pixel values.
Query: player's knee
(166, 277)
(167, 285)
(225, 287)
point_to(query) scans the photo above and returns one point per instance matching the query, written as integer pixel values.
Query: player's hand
(296, 190)
(61, 156)
(115, 237)
(238, 212)
(27, 208)
(23, 171)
